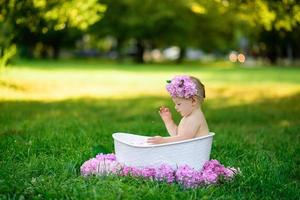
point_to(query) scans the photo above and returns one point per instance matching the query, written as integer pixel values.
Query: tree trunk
(26, 51)
(56, 51)
(272, 55)
(289, 52)
(181, 55)
(44, 53)
(140, 49)
(120, 55)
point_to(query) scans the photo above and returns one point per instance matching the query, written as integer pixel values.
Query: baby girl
(187, 93)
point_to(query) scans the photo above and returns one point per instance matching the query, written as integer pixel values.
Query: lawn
(54, 115)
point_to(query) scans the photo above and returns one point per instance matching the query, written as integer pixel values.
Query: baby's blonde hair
(200, 88)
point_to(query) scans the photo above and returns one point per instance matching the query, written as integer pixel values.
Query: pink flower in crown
(181, 86)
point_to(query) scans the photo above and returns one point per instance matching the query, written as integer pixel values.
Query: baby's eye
(178, 104)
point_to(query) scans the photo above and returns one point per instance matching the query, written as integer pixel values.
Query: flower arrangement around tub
(211, 173)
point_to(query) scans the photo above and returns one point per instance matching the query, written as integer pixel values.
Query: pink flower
(102, 164)
(209, 177)
(182, 86)
(148, 172)
(213, 170)
(131, 171)
(165, 173)
(102, 156)
(89, 167)
(188, 177)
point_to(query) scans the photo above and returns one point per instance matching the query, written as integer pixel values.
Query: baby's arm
(166, 116)
(187, 130)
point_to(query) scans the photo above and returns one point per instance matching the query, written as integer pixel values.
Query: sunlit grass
(58, 82)
(56, 115)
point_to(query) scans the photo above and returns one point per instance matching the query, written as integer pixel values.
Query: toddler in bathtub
(187, 93)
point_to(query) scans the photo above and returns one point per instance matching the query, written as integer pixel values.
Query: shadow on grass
(55, 138)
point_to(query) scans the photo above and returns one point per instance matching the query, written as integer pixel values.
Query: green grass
(56, 115)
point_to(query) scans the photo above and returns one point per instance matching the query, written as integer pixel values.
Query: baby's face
(183, 106)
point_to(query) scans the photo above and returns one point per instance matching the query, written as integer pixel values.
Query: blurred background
(72, 72)
(243, 31)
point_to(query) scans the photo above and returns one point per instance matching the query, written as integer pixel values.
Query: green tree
(48, 22)
(272, 25)
(163, 23)
(149, 23)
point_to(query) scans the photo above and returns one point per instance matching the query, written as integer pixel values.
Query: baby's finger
(163, 110)
(162, 107)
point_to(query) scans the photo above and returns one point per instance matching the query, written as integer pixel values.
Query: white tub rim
(114, 135)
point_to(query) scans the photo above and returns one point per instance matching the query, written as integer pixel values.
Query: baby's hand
(165, 113)
(155, 140)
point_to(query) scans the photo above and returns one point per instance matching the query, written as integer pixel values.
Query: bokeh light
(233, 57)
(241, 58)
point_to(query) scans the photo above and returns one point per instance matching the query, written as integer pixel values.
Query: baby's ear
(193, 99)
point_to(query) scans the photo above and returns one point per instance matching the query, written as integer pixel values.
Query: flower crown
(181, 86)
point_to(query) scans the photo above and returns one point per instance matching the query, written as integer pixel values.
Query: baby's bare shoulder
(189, 126)
(194, 119)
